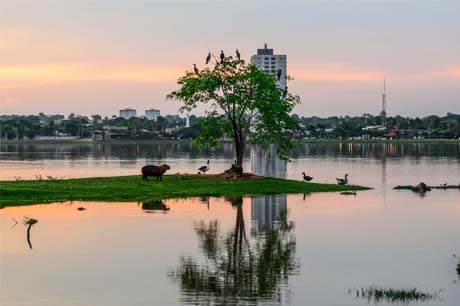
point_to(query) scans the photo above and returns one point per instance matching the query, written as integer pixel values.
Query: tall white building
(269, 62)
(152, 114)
(128, 113)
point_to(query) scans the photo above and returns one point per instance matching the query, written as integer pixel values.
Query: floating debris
(29, 221)
(348, 192)
(81, 208)
(442, 186)
(377, 294)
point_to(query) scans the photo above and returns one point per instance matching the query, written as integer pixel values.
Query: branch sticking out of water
(29, 221)
(377, 294)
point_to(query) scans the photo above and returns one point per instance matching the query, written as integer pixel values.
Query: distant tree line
(173, 126)
(403, 127)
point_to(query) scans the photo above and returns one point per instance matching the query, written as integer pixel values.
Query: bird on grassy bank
(306, 178)
(195, 69)
(343, 181)
(205, 168)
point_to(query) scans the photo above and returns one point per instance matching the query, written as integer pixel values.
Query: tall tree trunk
(239, 149)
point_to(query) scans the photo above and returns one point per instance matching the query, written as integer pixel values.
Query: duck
(343, 181)
(205, 168)
(306, 178)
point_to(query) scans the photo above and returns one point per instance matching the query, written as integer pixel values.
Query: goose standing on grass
(306, 178)
(343, 181)
(205, 168)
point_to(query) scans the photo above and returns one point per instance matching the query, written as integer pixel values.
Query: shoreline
(313, 141)
(133, 189)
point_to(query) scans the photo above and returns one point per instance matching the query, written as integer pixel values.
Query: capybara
(151, 170)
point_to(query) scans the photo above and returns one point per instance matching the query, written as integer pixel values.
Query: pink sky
(101, 56)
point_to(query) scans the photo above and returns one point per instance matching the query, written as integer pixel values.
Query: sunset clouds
(55, 55)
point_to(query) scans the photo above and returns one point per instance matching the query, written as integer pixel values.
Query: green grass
(132, 188)
(376, 294)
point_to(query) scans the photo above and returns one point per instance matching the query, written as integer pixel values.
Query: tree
(244, 103)
(238, 268)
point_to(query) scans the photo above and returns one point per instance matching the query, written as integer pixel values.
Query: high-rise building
(152, 114)
(128, 113)
(267, 61)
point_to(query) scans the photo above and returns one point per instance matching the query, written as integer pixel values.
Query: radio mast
(383, 114)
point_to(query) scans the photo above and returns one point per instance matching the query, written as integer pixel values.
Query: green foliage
(243, 103)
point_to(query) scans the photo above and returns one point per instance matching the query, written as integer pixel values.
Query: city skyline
(79, 57)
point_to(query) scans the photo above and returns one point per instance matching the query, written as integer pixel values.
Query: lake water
(266, 250)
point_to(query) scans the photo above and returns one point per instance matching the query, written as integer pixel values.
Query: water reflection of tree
(238, 270)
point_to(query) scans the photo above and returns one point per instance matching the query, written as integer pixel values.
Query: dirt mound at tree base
(243, 176)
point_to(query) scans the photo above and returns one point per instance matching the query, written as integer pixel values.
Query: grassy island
(132, 188)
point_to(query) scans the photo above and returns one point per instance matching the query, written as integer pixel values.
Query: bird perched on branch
(208, 58)
(195, 69)
(222, 56)
(238, 55)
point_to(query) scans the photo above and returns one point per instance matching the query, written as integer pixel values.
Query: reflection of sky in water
(116, 254)
(124, 253)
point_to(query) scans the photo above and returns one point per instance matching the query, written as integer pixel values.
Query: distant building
(128, 113)
(152, 114)
(187, 121)
(114, 132)
(267, 61)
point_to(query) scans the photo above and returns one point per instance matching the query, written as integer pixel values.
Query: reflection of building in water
(268, 211)
(265, 162)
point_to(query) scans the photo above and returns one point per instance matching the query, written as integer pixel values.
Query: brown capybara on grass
(151, 170)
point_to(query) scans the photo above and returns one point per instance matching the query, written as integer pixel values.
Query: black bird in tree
(306, 178)
(222, 56)
(195, 69)
(238, 55)
(279, 74)
(208, 58)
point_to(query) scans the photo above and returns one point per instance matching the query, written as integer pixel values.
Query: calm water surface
(266, 250)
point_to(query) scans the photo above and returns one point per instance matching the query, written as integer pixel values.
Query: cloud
(353, 74)
(37, 75)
